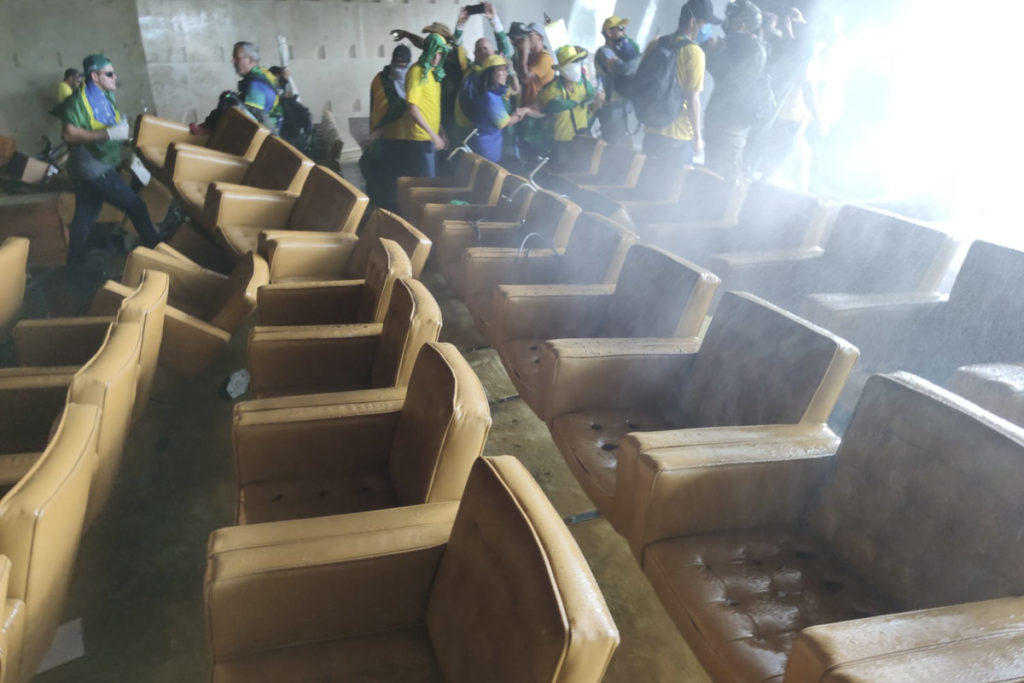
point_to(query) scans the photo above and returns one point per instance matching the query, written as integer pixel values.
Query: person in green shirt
(95, 129)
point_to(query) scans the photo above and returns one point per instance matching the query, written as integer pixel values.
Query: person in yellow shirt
(681, 140)
(72, 79)
(565, 102)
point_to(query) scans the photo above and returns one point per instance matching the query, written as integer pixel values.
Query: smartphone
(475, 9)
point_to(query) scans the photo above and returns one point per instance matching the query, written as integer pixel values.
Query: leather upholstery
(301, 257)
(514, 200)
(306, 360)
(757, 365)
(583, 155)
(996, 387)
(703, 199)
(464, 171)
(594, 254)
(748, 547)
(525, 316)
(484, 190)
(340, 301)
(407, 595)
(363, 450)
(327, 204)
(13, 262)
(619, 166)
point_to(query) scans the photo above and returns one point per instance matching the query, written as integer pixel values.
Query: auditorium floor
(137, 594)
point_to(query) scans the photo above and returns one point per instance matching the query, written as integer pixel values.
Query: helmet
(745, 11)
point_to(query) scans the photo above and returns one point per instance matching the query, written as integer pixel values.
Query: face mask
(572, 72)
(398, 75)
(703, 34)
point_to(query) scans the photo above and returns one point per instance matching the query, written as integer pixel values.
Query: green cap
(94, 62)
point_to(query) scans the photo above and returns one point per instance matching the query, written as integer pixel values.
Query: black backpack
(296, 124)
(654, 89)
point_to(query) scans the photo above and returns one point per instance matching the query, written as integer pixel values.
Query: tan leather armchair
(581, 155)
(657, 299)
(547, 223)
(304, 256)
(338, 302)
(778, 565)
(512, 204)
(485, 189)
(757, 365)
(868, 251)
(594, 254)
(13, 264)
(199, 177)
(398, 593)
(464, 170)
(41, 522)
(618, 167)
(320, 358)
(362, 450)
(327, 205)
(204, 308)
(996, 387)
(236, 134)
(703, 199)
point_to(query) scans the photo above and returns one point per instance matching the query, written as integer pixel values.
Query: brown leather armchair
(41, 522)
(464, 169)
(338, 302)
(236, 134)
(619, 167)
(547, 223)
(327, 205)
(362, 450)
(512, 204)
(304, 256)
(13, 264)
(776, 564)
(199, 177)
(594, 254)
(204, 308)
(657, 299)
(321, 358)
(406, 594)
(484, 190)
(757, 365)
(581, 155)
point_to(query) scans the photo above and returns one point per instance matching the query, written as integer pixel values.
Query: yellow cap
(567, 54)
(494, 60)
(612, 22)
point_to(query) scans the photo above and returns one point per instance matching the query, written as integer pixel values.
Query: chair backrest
(328, 203)
(704, 196)
(278, 166)
(658, 294)
(985, 299)
(487, 184)
(620, 165)
(873, 251)
(774, 217)
(442, 428)
(237, 296)
(413, 319)
(41, 521)
(465, 168)
(237, 133)
(595, 252)
(551, 216)
(512, 574)
(390, 226)
(760, 364)
(514, 202)
(996, 387)
(584, 155)
(147, 307)
(13, 262)
(386, 264)
(108, 381)
(923, 496)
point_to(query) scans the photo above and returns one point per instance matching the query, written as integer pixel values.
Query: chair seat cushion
(742, 596)
(193, 196)
(589, 441)
(241, 239)
(275, 501)
(401, 656)
(154, 157)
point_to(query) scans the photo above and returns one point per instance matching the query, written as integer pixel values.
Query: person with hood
(258, 89)
(565, 101)
(483, 100)
(387, 106)
(94, 128)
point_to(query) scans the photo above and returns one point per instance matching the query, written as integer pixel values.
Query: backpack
(296, 124)
(654, 89)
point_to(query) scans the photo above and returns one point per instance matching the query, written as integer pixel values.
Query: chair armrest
(433, 216)
(199, 164)
(591, 374)
(306, 255)
(312, 359)
(309, 303)
(192, 287)
(153, 131)
(311, 580)
(484, 268)
(228, 204)
(717, 486)
(549, 311)
(350, 436)
(189, 344)
(59, 341)
(977, 641)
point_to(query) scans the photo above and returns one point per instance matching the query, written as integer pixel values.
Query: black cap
(517, 29)
(402, 53)
(701, 10)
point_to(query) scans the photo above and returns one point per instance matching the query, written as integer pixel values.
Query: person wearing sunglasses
(95, 129)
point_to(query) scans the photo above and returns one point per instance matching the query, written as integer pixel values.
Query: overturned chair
(397, 594)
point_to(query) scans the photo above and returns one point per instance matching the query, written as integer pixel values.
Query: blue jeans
(90, 194)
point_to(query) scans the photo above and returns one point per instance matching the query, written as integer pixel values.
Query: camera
(475, 9)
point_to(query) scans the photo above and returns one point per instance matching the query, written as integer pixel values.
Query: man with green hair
(95, 129)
